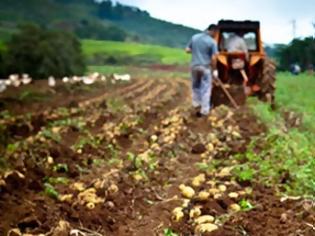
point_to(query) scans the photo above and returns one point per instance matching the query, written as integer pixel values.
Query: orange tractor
(242, 74)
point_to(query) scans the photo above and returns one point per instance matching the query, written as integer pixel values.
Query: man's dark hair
(212, 27)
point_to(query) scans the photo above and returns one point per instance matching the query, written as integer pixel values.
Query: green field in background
(132, 53)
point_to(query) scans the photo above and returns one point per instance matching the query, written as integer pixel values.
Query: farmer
(237, 43)
(203, 49)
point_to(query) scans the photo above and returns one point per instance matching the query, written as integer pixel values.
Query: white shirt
(236, 44)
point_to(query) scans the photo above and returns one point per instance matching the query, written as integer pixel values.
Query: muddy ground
(124, 158)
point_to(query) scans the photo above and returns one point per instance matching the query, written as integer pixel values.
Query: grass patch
(33, 96)
(109, 52)
(108, 70)
(286, 156)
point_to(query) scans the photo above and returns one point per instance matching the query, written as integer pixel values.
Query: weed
(51, 191)
(245, 205)
(56, 180)
(115, 105)
(244, 173)
(169, 232)
(5, 115)
(61, 168)
(32, 96)
(49, 134)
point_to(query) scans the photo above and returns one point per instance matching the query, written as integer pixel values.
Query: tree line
(299, 51)
(41, 53)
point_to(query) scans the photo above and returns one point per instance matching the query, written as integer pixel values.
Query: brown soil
(133, 158)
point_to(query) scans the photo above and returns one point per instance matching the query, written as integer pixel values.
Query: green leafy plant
(56, 180)
(244, 173)
(245, 205)
(51, 191)
(169, 232)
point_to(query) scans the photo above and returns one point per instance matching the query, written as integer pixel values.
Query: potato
(113, 189)
(214, 191)
(198, 180)
(178, 214)
(210, 147)
(90, 205)
(234, 207)
(226, 171)
(203, 195)
(222, 188)
(217, 196)
(204, 219)
(154, 138)
(206, 228)
(185, 203)
(187, 191)
(66, 198)
(195, 212)
(78, 186)
(50, 160)
(233, 195)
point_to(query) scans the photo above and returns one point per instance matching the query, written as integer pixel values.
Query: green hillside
(91, 20)
(109, 52)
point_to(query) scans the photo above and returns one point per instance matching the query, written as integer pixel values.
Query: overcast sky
(276, 16)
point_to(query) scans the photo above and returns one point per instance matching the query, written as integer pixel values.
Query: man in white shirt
(236, 43)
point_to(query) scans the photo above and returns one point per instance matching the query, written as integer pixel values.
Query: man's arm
(214, 51)
(214, 60)
(188, 49)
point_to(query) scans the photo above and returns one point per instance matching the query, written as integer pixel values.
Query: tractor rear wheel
(267, 82)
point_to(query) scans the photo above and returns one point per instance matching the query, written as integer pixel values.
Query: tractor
(242, 74)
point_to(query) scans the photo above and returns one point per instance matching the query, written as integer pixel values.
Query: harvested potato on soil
(113, 188)
(206, 228)
(198, 180)
(66, 198)
(204, 219)
(187, 191)
(234, 207)
(78, 186)
(177, 214)
(195, 212)
(233, 195)
(203, 195)
(222, 188)
(214, 191)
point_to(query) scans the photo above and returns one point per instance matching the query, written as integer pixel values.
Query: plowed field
(131, 158)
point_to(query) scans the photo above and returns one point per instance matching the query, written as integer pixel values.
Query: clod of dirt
(30, 222)
(198, 149)
(13, 180)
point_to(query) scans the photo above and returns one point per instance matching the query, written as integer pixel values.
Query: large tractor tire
(267, 82)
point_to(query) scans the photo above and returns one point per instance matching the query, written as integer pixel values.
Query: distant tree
(1, 65)
(42, 53)
(301, 51)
